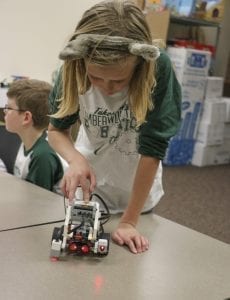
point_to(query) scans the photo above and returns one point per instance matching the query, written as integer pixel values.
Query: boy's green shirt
(44, 166)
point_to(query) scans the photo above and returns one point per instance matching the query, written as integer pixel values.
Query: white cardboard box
(214, 87)
(227, 112)
(227, 131)
(189, 62)
(210, 155)
(210, 134)
(193, 87)
(213, 112)
(190, 116)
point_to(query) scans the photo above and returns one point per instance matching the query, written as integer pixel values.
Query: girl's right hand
(81, 174)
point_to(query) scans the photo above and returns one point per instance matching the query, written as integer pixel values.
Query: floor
(199, 198)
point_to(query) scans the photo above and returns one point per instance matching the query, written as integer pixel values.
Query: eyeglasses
(6, 108)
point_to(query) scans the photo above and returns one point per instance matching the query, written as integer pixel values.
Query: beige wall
(33, 32)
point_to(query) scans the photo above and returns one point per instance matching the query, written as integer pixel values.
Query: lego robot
(82, 233)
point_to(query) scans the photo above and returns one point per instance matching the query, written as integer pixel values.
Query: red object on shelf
(194, 45)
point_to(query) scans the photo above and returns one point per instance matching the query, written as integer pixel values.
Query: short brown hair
(32, 95)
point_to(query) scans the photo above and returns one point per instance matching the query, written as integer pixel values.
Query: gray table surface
(181, 263)
(24, 204)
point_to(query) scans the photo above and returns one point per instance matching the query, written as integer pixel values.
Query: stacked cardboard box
(213, 136)
(191, 67)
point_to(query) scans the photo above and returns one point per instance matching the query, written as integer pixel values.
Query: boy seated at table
(26, 114)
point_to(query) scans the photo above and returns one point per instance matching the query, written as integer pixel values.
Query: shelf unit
(194, 22)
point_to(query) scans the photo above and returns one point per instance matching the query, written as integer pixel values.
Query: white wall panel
(33, 32)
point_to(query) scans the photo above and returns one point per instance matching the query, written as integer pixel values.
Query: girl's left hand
(127, 234)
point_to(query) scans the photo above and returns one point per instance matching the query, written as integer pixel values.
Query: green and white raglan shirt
(39, 165)
(108, 137)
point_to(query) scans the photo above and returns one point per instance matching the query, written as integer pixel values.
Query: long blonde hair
(112, 18)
